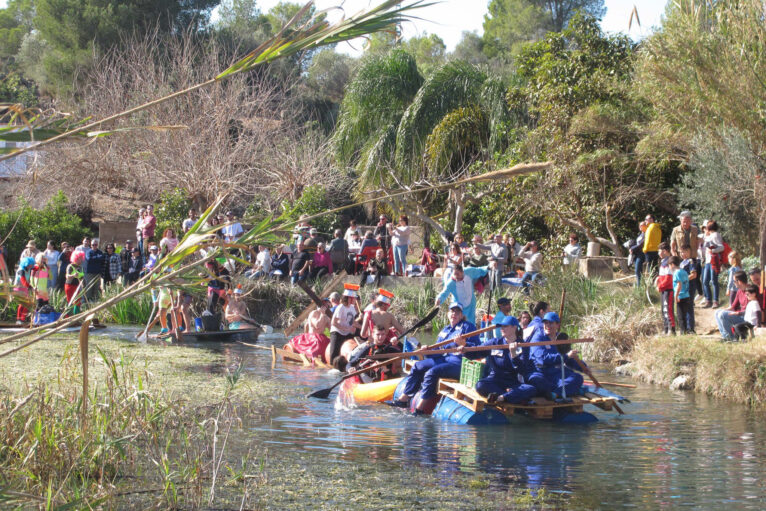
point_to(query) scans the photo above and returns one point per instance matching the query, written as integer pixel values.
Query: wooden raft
(542, 409)
(295, 358)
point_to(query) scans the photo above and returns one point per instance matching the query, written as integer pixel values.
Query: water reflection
(671, 449)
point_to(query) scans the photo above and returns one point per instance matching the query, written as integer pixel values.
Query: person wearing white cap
(425, 374)
(232, 230)
(379, 316)
(236, 312)
(343, 325)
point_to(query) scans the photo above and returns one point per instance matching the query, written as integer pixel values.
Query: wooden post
(303, 315)
(84, 358)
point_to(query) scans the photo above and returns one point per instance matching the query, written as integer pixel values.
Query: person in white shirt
(752, 313)
(533, 263)
(572, 251)
(189, 222)
(52, 260)
(232, 230)
(352, 228)
(262, 266)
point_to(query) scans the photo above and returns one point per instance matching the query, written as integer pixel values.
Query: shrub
(53, 222)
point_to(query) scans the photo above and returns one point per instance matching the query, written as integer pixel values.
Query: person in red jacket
(664, 284)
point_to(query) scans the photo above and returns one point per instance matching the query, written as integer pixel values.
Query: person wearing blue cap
(425, 374)
(506, 381)
(504, 306)
(461, 286)
(556, 368)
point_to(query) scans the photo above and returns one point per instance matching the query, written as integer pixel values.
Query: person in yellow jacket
(652, 239)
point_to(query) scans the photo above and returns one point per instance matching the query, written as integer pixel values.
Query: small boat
(242, 335)
(296, 358)
(354, 391)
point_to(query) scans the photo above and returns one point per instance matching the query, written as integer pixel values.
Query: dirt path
(705, 320)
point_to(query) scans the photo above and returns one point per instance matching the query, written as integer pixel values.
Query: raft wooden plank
(329, 288)
(273, 356)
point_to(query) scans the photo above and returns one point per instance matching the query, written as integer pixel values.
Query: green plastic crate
(471, 371)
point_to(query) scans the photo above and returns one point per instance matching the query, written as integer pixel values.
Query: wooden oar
(587, 371)
(325, 393)
(487, 348)
(612, 384)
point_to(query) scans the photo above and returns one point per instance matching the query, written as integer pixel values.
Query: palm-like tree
(398, 129)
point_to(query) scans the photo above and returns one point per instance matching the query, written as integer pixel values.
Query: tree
(237, 139)
(74, 30)
(470, 49)
(509, 24)
(706, 69)
(577, 88)
(429, 51)
(398, 130)
(242, 23)
(15, 22)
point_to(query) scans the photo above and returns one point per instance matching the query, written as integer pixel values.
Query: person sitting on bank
(425, 374)
(377, 268)
(280, 263)
(734, 314)
(301, 265)
(558, 378)
(236, 312)
(507, 369)
(313, 342)
(368, 241)
(321, 263)
(752, 315)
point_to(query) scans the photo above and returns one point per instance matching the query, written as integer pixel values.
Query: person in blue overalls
(425, 374)
(535, 327)
(504, 311)
(505, 382)
(556, 368)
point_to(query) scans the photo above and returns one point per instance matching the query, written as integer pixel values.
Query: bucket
(198, 324)
(594, 249)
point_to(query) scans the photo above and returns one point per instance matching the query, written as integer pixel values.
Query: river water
(671, 449)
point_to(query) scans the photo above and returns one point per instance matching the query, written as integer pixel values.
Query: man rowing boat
(380, 317)
(425, 374)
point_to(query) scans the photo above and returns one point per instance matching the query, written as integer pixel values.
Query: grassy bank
(142, 439)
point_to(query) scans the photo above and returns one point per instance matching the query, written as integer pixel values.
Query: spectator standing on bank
(572, 251)
(93, 268)
(498, 252)
(382, 230)
(533, 262)
(148, 226)
(233, 230)
(112, 266)
(338, 251)
(685, 234)
(713, 246)
(140, 230)
(169, 242)
(637, 251)
(400, 241)
(133, 266)
(64, 259)
(30, 250)
(652, 240)
(52, 262)
(189, 222)
(352, 228)
(125, 255)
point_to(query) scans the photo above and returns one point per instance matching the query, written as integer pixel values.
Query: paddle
(486, 348)
(325, 393)
(587, 371)
(426, 319)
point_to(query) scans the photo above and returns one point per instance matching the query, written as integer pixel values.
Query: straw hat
(31, 244)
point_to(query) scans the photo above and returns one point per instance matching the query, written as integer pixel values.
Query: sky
(450, 18)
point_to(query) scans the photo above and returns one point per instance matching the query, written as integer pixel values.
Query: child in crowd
(735, 263)
(682, 296)
(690, 266)
(752, 314)
(664, 283)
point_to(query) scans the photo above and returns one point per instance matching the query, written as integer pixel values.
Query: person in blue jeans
(683, 299)
(735, 313)
(638, 254)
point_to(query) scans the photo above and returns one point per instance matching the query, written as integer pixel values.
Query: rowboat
(296, 358)
(242, 335)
